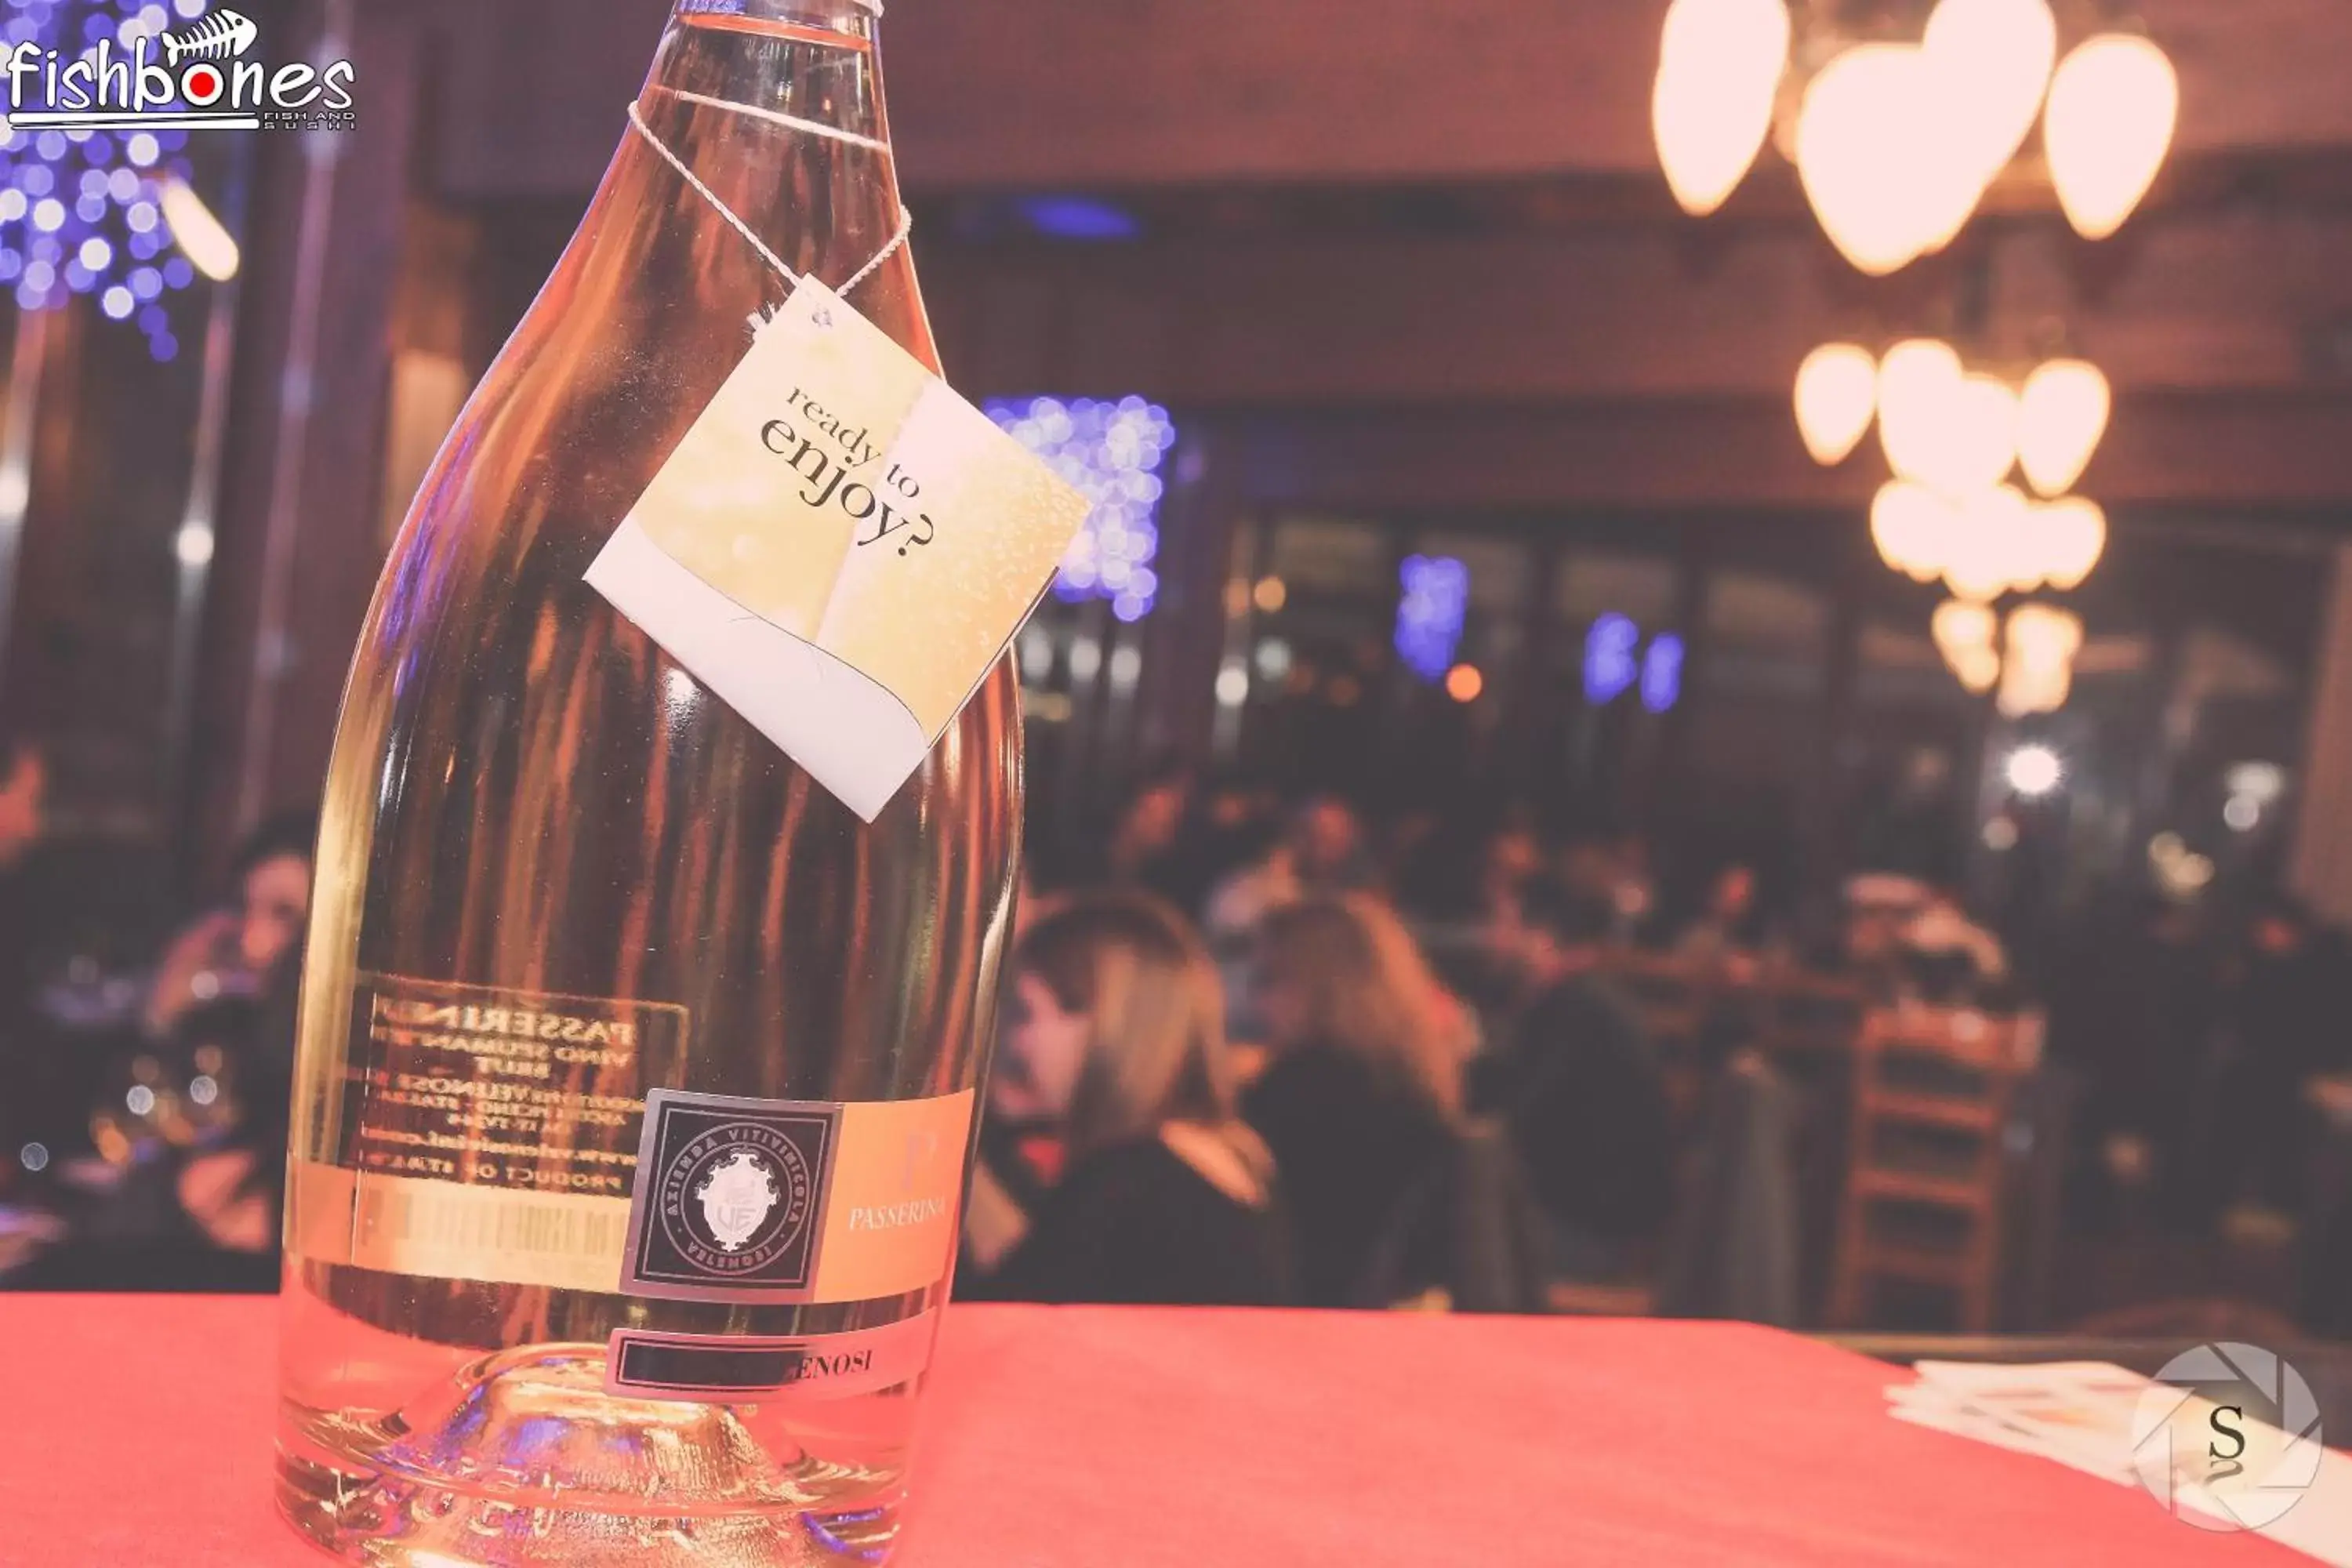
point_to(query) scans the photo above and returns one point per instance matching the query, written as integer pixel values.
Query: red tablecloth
(136, 1430)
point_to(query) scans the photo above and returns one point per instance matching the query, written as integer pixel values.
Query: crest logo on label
(729, 1195)
(737, 1196)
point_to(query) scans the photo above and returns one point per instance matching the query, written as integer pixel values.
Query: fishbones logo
(194, 78)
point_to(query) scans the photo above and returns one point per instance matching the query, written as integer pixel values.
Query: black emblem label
(730, 1198)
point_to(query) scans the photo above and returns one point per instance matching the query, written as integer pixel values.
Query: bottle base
(526, 1462)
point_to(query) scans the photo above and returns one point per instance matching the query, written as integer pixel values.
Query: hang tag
(840, 547)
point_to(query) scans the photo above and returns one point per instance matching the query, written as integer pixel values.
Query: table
(138, 1431)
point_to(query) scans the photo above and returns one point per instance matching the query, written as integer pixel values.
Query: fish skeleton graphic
(222, 35)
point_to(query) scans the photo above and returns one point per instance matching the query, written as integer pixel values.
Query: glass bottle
(556, 875)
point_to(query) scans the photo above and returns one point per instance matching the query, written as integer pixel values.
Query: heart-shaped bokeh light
(1718, 72)
(1881, 176)
(1837, 393)
(1993, 550)
(2062, 415)
(1975, 445)
(1917, 382)
(2072, 535)
(2114, 104)
(1913, 527)
(1995, 56)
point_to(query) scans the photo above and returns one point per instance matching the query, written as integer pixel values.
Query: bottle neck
(776, 106)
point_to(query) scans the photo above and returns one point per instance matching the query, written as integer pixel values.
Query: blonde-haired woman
(1362, 1102)
(1118, 1024)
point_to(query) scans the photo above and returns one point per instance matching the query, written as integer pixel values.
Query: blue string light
(1431, 606)
(81, 211)
(1111, 451)
(1609, 663)
(1661, 673)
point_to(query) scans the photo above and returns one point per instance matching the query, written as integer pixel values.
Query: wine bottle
(636, 1070)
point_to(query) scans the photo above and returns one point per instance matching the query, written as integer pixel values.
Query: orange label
(890, 1222)
(734, 1200)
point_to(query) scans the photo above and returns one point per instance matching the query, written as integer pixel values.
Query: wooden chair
(1933, 1091)
(1802, 1015)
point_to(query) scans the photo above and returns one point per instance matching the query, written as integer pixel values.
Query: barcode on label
(409, 1225)
(411, 1217)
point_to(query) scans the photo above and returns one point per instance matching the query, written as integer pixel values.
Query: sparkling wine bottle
(636, 1072)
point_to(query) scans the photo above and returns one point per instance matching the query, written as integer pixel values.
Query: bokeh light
(1433, 602)
(1111, 451)
(80, 209)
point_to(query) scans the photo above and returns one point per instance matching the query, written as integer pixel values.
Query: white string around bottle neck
(808, 127)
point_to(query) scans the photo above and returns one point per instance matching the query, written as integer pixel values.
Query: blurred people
(27, 1078)
(1245, 897)
(235, 1022)
(2283, 1023)
(23, 798)
(201, 1155)
(1576, 1086)
(1331, 853)
(24, 794)
(1322, 850)
(1118, 1032)
(1909, 939)
(1948, 959)
(2133, 1008)
(1877, 906)
(1633, 887)
(1146, 848)
(1618, 870)
(1362, 1097)
(1728, 930)
(1041, 1048)
(233, 1191)
(1510, 856)
(1513, 855)
(230, 953)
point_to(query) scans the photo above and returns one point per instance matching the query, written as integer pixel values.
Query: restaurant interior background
(1483, 503)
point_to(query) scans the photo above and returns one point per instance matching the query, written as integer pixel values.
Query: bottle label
(783, 1201)
(497, 1086)
(840, 547)
(480, 1141)
(642, 1365)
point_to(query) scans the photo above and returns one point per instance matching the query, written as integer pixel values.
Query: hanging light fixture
(1952, 436)
(1885, 177)
(1916, 383)
(1718, 72)
(2114, 105)
(1896, 142)
(1995, 56)
(1913, 527)
(1837, 394)
(1951, 432)
(2037, 675)
(2061, 416)
(1979, 669)
(1958, 625)
(1965, 634)
(1974, 446)
(2073, 536)
(1992, 548)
